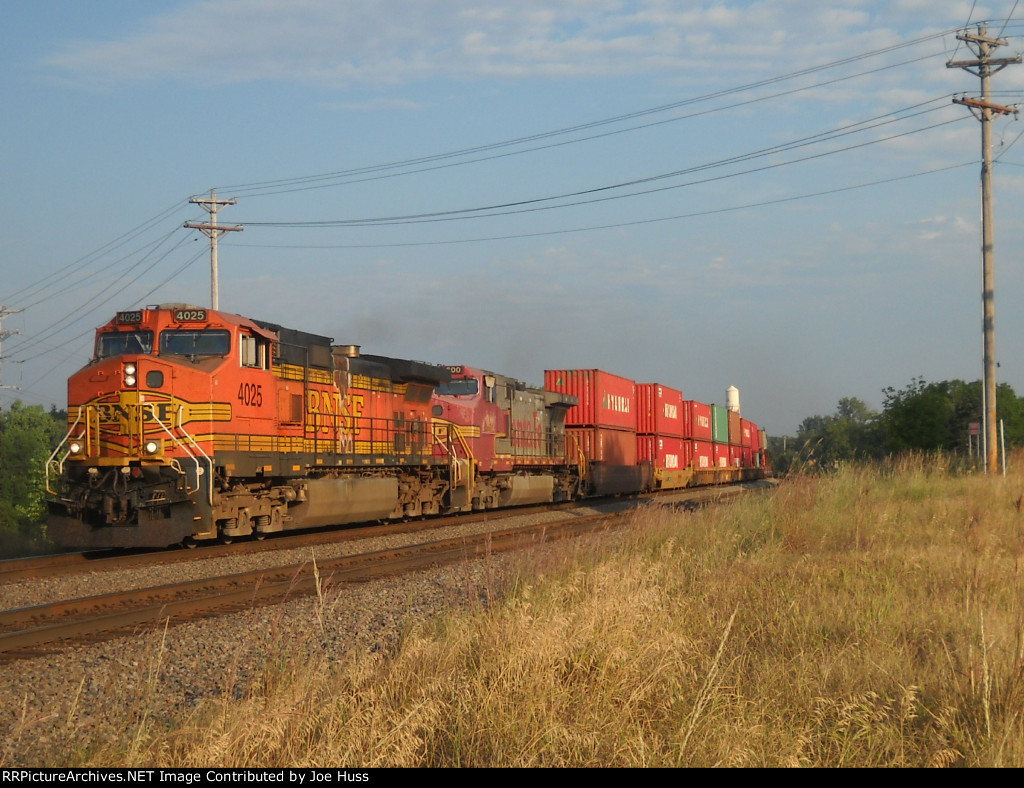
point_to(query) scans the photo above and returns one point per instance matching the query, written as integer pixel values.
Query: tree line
(920, 416)
(28, 436)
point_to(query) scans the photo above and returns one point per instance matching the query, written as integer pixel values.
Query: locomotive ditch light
(75, 447)
(152, 447)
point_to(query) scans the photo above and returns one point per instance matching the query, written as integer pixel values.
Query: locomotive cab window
(458, 387)
(254, 351)
(209, 342)
(122, 343)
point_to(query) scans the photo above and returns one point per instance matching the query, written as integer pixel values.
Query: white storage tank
(732, 399)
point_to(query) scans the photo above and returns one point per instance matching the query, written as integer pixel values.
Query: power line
(387, 171)
(303, 182)
(633, 223)
(77, 264)
(76, 317)
(502, 209)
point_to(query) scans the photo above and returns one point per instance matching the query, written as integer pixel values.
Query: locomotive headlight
(152, 447)
(129, 374)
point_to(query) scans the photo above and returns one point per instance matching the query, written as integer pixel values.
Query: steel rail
(105, 615)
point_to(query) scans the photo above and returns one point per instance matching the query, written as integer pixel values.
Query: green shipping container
(719, 424)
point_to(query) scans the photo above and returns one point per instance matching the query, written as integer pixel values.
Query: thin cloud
(340, 45)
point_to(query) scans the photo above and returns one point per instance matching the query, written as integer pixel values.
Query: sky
(780, 196)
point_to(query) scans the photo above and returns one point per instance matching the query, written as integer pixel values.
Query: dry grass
(870, 618)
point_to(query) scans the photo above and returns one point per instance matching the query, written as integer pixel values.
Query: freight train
(191, 425)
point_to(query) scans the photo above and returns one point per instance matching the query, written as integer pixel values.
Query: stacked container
(750, 444)
(659, 410)
(720, 436)
(660, 424)
(603, 423)
(605, 400)
(697, 433)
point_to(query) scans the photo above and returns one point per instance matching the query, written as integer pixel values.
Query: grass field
(873, 617)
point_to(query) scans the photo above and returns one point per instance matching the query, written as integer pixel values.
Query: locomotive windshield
(120, 343)
(195, 343)
(458, 386)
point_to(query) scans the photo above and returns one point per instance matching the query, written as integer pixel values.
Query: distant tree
(920, 416)
(1009, 410)
(28, 435)
(850, 433)
(931, 416)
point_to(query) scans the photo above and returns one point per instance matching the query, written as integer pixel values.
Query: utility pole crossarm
(977, 103)
(992, 61)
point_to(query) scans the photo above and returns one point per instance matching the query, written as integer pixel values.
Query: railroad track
(15, 569)
(41, 629)
(26, 632)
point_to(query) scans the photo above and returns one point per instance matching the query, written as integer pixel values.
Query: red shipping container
(667, 453)
(605, 400)
(703, 455)
(721, 451)
(698, 420)
(600, 444)
(750, 435)
(659, 410)
(735, 456)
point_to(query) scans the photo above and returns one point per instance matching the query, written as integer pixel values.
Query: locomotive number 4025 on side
(251, 394)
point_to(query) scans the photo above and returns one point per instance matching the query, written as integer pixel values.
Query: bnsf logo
(671, 411)
(617, 403)
(109, 413)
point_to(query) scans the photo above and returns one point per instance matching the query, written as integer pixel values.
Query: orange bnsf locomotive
(192, 424)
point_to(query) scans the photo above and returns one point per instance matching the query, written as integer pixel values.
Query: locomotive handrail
(581, 457)
(470, 460)
(60, 464)
(184, 448)
(198, 448)
(450, 431)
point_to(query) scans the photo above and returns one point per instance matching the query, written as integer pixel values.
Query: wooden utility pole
(984, 66)
(213, 231)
